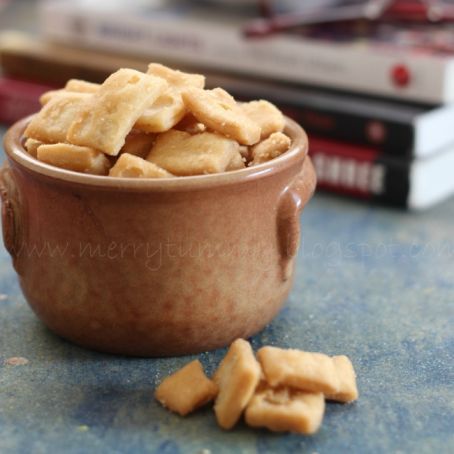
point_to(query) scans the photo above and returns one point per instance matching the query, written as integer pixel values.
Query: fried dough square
(348, 391)
(163, 114)
(175, 78)
(106, 119)
(138, 143)
(272, 147)
(81, 86)
(306, 371)
(218, 111)
(237, 377)
(266, 115)
(31, 145)
(130, 166)
(286, 410)
(184, 154)
(52, 122)
(74, 157)
(186, 390)
(236, 162)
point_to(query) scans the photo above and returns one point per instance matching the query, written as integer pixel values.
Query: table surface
(373, 283)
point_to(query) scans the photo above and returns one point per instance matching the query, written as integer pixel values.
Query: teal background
(372, 283)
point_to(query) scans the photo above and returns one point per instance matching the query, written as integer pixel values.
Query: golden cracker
(130, 166)
(186, 390)
(106, 119)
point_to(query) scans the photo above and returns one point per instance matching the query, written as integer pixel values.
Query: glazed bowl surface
(154, 267)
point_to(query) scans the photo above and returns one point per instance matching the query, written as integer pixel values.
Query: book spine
(48, 70)
(396, 139)
(344, 66)
(391, 137)
(19, 99)
(361, 172)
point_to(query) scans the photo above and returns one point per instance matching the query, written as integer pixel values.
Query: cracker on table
(348, 391)
(272, 147)
(186, 390)
(184, 154)
(237, 378)
(175, 78)
(130, 166)
(306, 371)
(163, 114)
(138, 143)
(31, 145)
(74, 157)
(52, 122)
(109, 115)
(218, 111)
(286, 410)
(266, 115)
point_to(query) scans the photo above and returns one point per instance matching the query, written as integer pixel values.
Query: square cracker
(286, 410)
(109, 115)
(348, 391)
(186, 390)
(31, 145)
(306, 371)
(175, 78)
(130, 166)
(184, 154)
(81, 86)
(270, 148)
(163, 114)
(52, 122)
(266, 115)
(138, 143)
(218, 111)
(237, 378)
(74, 157)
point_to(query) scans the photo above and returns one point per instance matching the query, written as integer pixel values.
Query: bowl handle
(292, 202)
(10, 220)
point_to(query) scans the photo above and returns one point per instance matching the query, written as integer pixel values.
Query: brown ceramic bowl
(154, 267)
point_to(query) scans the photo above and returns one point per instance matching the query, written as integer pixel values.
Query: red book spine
(358, 171)
(19, 98)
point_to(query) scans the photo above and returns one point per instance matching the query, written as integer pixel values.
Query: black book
(367, 173)
(396, 128)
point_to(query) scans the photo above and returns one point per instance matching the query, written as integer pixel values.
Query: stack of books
(379, 111)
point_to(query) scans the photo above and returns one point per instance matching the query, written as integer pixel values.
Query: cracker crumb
(16, 361)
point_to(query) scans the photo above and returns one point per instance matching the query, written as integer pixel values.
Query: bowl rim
(15, 151)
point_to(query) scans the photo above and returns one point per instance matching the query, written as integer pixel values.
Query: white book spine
(352, 67)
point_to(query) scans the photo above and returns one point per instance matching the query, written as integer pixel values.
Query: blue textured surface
(372, 283)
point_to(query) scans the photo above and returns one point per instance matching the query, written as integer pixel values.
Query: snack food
(302, 370)
(74, 157)
(219, 111)
(130, 166)
(286, 410)
(105, 120)
(266, 115)
(285, 396)
(165, 116)
(237, 377)
(270, 148)
(348, 391)
(184, 154)
(186, 390)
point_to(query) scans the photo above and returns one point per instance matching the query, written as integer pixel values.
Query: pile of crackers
(283, 390)
(158, 124)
